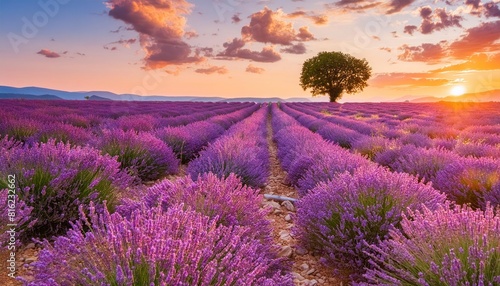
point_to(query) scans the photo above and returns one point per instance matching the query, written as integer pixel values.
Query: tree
(334, 73)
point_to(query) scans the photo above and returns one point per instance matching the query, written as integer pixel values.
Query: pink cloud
(295, 49)
(48, 53)
(430, 53)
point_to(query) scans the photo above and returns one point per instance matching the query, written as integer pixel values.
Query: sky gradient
(238, 48)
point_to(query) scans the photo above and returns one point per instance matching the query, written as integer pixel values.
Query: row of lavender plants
(360, 215)
(242, 150)
(474, 180)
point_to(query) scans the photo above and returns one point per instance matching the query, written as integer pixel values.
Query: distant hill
(28, 96)
(95, 97)
(491, 95)
(19, 92)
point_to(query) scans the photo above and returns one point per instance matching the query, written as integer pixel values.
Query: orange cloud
(482, 38)
(253, 69)
(212, 70)
(267, 26)
(317, 19)
(160, 24)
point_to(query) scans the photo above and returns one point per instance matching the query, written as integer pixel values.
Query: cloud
(406, 80)
(267, 26)
(160, 24)
(410, 29)
(491, 10)
(190, 34)
(212, 70)
(436, 20)
(234, 50)
(317, 19)
(304, 34)
(48, 53)
(253, 69)
(352, 5)
(236, 18)
(475, 62)
(295, 49)
(482, 38)
(426, 52)
(398, 5)
(386, 49)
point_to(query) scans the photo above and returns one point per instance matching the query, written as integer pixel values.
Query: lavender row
(188, 140)
(242, 150)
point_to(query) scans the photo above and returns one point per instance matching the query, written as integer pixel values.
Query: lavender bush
(141, 154)
(471, 180)
(65, 133)
(157, 247)
(53, 179)
(447, 246)
(226, 200)
(337, 218)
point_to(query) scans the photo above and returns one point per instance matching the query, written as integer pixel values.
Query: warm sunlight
(457, 90)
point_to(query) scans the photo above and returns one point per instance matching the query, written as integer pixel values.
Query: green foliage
(334, 73)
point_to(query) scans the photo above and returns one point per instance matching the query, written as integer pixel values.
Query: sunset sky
(240, 48)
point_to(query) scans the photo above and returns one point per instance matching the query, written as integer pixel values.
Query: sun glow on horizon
(458, 90)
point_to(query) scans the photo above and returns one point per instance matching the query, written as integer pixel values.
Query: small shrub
(157, 247)
(457, 246)
(53, 179)
(337, 217)
(141, 154)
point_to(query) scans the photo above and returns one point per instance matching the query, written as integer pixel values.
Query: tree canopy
(334, 73)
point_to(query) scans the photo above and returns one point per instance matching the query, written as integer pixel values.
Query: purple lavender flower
(157, 247)
(470, 181)
(447, 246)
(54, 179)
(337, 217)
(141, 154)
(226, 200)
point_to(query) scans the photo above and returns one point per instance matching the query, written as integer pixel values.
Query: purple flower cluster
(471, 180)
(225, 200)
(446, 246)
(54, 179)
(158, 247)
(337, 218)
(187, 141)
(141, 154)
(242, 150)
(420, 162)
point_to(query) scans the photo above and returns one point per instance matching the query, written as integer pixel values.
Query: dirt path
(306, 268)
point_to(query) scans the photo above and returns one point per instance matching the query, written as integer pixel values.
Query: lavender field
(172, 193)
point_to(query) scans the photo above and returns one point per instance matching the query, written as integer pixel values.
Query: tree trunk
(335, 93)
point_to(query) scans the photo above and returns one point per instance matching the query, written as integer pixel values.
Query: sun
(458, 90)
